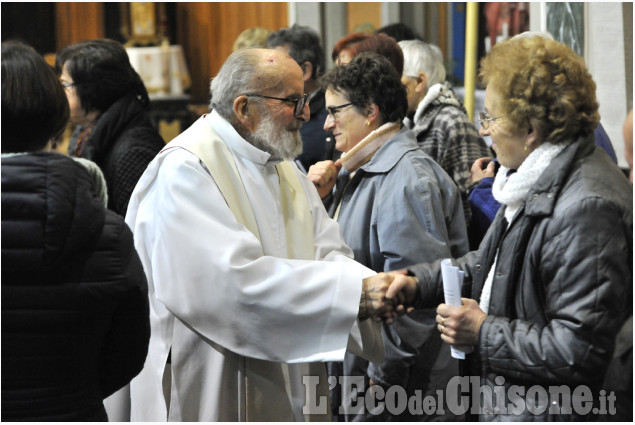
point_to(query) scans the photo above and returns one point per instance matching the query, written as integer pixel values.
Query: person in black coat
(75, 315)
(109, 104)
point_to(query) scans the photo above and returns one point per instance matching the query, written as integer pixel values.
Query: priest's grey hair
(423, 57)
(235, 77)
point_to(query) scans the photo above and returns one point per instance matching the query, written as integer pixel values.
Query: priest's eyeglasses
(299, 102)
(484, 119)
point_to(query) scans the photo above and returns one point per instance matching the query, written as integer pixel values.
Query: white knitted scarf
(511, 192)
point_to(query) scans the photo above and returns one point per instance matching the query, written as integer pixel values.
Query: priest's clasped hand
(376, 304)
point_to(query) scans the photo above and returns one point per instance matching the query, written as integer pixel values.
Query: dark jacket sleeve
(126, 343)
(431, 283)
(414, 338)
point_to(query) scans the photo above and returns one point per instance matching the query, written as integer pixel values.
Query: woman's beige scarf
(364, 150)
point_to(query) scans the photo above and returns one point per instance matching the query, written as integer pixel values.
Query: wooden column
(78, 22)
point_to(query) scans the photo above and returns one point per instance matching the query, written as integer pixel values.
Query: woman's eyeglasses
(299, 102)
(484, 119)
(332, 110)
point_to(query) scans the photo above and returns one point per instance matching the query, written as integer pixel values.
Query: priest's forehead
(279, 72)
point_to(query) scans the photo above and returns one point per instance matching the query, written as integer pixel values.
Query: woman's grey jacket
(399, 209)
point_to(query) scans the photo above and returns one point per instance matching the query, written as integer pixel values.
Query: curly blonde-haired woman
(551, 283)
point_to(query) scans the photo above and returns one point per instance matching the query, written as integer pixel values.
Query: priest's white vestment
(245, 318)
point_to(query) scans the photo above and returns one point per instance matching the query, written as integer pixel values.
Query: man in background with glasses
(251, 286)
(303, 45)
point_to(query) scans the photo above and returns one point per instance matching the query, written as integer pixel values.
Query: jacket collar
(109, 126)
(438, 96)
(541, 198)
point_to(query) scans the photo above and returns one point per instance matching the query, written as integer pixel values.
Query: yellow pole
(471, 35)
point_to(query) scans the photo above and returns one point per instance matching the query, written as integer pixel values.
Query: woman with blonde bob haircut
(551, 283)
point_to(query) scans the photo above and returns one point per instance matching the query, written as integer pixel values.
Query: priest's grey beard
(279, 142)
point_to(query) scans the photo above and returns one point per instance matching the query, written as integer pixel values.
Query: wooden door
(207, 32)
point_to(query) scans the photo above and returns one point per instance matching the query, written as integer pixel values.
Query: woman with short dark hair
(373, 85)
(109, 107)
(75, 321)
(395, 206)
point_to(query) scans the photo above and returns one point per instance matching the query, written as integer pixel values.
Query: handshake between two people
(386, 296)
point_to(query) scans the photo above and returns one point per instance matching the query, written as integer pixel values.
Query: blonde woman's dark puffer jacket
(561, 290)
(75, 324)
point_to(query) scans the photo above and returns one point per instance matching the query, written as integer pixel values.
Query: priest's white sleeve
(211, 273)
(365, 338)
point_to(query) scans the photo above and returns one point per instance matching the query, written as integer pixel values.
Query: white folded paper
(452, 282)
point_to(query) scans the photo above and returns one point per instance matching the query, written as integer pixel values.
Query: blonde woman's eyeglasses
(484, 119)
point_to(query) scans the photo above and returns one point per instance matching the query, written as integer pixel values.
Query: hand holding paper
(459, 318)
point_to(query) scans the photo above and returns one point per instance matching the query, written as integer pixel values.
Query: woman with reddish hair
(353, 44)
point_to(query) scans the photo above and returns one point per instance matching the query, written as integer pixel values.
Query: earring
(368, 123)
(526, 147)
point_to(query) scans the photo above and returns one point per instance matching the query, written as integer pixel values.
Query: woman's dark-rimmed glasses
(332, 110)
